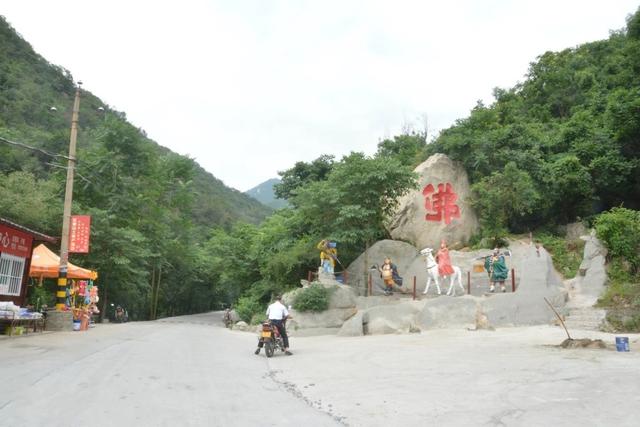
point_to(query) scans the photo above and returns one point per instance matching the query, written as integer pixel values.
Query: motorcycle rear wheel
(269, 348)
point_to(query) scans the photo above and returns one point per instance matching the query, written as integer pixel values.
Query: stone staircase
(585, 318)
(585, 288)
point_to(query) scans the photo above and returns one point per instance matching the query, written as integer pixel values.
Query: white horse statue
(432, 274)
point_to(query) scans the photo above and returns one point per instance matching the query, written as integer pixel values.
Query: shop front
(16, 247)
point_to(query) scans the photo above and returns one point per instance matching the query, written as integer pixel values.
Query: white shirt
(277, 311)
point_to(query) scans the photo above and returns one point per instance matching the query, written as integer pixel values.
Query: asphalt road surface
(189, 371)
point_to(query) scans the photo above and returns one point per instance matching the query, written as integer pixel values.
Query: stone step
(586, 318)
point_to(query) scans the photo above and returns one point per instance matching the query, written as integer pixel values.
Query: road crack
(292, 389)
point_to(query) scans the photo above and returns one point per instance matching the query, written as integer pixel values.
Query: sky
(249, 87)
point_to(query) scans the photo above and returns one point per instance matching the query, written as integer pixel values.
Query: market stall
(82, 293)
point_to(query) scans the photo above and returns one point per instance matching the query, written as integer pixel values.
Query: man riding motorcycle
(277, 314)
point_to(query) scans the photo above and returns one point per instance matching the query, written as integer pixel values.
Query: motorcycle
(121, 315)
(271, 338)
(226, 318)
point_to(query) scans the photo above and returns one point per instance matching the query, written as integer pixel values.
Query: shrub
(313, 298)
(566, 254)
(258, 318)
(619, 229)
(248, 306)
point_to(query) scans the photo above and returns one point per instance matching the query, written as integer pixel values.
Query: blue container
(622, 343)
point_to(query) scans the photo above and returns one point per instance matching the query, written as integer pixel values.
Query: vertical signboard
(79, 234)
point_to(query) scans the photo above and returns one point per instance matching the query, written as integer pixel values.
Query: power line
(66, 167)
(40, 150)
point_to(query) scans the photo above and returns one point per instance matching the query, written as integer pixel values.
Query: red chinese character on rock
(441, 203)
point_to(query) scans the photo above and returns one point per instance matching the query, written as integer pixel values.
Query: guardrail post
(469, 282)
(414, 288)
(513, 280)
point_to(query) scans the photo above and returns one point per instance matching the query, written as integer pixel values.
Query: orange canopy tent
(45, 263)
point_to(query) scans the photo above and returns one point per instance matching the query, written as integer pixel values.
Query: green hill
(563, 144)
(30, 86)
(152, 209)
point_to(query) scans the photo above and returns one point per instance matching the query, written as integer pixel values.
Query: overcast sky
(248, 88)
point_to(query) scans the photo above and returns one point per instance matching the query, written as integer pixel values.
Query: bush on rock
(313, 298)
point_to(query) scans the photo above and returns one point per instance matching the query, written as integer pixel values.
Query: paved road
(185, 371)
(190, 371)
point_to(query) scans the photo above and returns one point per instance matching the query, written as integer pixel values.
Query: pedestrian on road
(277, 314)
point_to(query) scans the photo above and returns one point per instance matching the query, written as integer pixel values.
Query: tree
(503, 199)
(30, 201)
(569, 187)
(406, 148)
(356, 199)
(303, 173)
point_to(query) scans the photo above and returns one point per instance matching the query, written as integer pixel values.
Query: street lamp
(68, 199)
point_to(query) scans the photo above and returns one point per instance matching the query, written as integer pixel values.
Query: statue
(496, 267)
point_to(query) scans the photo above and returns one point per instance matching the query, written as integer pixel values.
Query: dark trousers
(283, 332)
(281, 329)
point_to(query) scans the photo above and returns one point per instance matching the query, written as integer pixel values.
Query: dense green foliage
(349, 204)
(406, 148)
(314, 298)
(303, 173)
(152, 210)
(619, 229)
(568, 138)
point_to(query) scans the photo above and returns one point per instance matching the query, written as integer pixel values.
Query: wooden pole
(414, 288)
(309, 276)
(346, 277)
(469, 282)
(68, 200)
(513, 280)
(370, 286)
(559, 318)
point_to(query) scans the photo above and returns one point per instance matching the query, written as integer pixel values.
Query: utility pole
(68, 199)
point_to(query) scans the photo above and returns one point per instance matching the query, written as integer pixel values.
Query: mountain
(153, 211)
(265, 195)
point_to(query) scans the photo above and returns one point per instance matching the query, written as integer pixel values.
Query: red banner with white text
(79, 232)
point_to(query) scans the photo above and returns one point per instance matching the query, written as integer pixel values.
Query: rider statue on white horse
(441, 268)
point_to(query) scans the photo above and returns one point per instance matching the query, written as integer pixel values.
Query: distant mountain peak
(263, 193)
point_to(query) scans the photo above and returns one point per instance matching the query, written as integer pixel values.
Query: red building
(16, 247)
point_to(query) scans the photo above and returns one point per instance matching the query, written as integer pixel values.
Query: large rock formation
(439, 209)
(352, 315)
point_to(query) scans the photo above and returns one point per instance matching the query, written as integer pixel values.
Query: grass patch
(623, 290)
(566, 254)
(622, 297)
